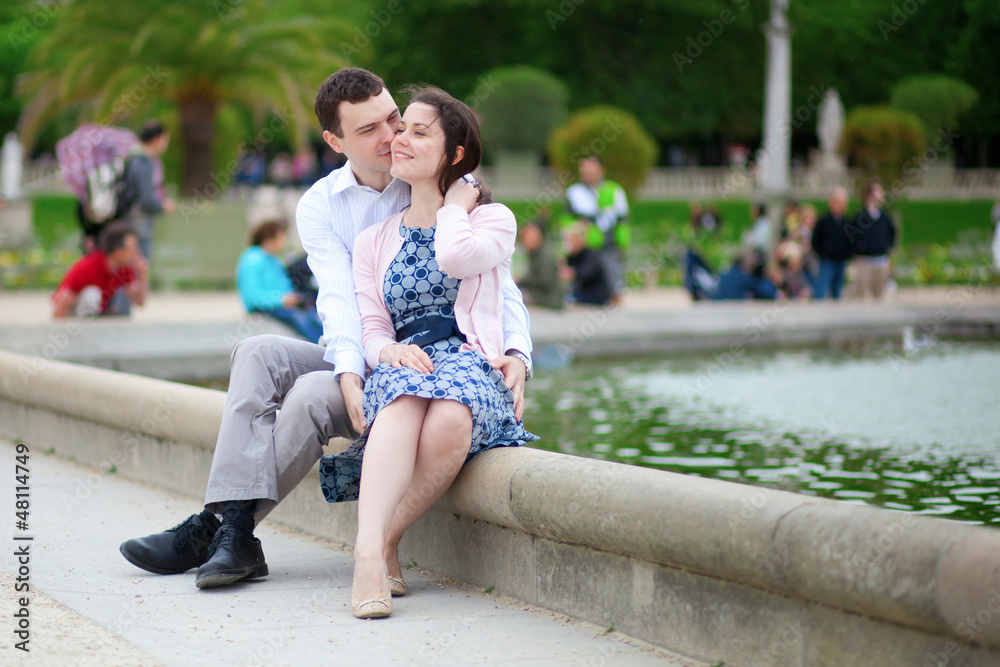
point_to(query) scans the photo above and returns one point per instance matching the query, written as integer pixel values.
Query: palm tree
(113, 59)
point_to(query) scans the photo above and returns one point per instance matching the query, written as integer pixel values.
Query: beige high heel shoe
(379, 607)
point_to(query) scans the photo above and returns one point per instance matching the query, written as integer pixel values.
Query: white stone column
(11, 167)
(774, 183)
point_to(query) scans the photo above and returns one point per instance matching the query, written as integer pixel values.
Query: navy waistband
(429, 329)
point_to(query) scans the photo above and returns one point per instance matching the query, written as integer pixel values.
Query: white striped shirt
(329, 217)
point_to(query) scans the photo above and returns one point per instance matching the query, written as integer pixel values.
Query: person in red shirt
(89, 286)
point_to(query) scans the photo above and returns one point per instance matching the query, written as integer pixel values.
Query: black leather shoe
(176, 550)
(233, 555)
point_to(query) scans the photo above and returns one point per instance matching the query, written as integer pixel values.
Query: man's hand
(290, 300)
(514, 373)
(169, 205)
(411, 356)
(353, 389)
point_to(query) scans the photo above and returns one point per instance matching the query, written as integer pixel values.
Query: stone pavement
(90, 607)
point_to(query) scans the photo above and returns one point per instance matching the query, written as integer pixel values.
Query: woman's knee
(447, 427)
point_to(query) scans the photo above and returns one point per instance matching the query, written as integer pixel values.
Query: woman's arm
(467, 244)
(377, 330)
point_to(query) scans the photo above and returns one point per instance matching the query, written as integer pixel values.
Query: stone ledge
(648, 551)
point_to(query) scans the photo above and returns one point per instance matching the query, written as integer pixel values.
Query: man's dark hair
(113, 236)
(351, 84)
(150, 130)
(266, 231)
(460, 129)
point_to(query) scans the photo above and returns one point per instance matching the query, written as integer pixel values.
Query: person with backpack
(141, 189)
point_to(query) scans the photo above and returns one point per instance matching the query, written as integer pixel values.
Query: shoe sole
(226, 577)
(146, 566)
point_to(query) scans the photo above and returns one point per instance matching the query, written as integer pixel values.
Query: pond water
(908, 429)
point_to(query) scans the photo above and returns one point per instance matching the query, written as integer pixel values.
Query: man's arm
(137, 289)
(63, 302)
(330, 261)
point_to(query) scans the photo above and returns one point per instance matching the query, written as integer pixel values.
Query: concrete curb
(647, 551)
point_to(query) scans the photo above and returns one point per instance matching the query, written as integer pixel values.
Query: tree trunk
(197, 135)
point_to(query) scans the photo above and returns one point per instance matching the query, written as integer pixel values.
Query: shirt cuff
(345, 361)
(518, 342)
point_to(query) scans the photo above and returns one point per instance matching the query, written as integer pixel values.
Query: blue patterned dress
(416, 288)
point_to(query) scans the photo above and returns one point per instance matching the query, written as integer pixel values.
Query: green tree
(114, 61)
(883, 141)
(613, 134)
(973, 57)
(519, 108)
(936, 99)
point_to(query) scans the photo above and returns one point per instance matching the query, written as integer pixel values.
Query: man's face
(127, 254)
(368, 129)
(591, 172)
(838, 202)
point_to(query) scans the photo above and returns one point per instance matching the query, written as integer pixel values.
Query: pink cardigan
(475, 248)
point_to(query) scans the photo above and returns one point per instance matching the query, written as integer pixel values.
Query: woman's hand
(411, 356)
(463, 195)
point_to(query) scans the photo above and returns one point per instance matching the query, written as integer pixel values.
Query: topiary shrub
(613, 134)
(936, 99)
(883, 141)
(518, 108)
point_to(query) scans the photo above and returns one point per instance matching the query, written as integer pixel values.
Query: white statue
(11, 166)
(831, 122)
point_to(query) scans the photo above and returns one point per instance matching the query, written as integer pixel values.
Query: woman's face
(418, 149)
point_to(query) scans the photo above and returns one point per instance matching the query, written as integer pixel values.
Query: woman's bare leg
(442, 448)
(386, 471)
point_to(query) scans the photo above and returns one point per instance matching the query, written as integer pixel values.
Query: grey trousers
(263, 453)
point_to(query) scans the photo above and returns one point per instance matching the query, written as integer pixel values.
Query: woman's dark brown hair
(461, 128)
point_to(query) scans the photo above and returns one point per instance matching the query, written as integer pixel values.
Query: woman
(264, 284)
(430, 288)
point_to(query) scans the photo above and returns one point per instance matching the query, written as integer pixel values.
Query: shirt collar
(344, 179)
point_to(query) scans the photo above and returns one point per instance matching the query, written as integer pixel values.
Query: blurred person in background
(873, 235)
(832, 246)
(264, 285)
(745, 279)
(584, 269)
(604, 204)
(140, 168)
(107, 280)
(540, 285)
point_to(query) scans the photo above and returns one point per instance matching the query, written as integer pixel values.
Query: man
(540, 285)
(603, 203)
(116, 266)
(262, 454)
(873, 235)
(832, 246)
(141, 184)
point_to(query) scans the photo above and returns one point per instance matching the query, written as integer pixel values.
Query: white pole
(11, 167)
(777, 115)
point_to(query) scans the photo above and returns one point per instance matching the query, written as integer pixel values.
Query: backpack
(109, 197)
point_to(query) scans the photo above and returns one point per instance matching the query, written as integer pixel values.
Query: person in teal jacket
(265, 287)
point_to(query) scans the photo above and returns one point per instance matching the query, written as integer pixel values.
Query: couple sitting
(441, 323)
